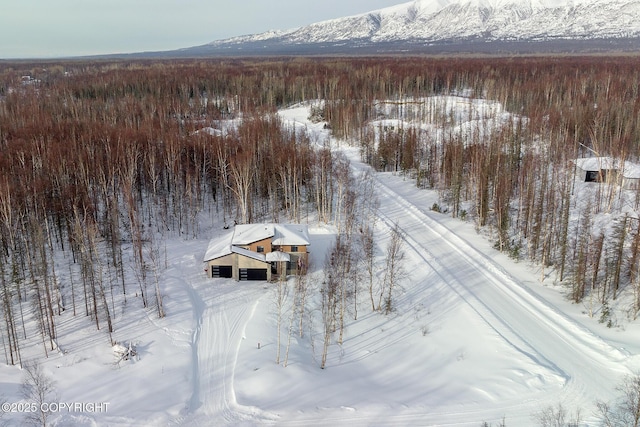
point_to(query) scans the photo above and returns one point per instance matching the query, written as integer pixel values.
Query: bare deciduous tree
(330, 292)
(242, 177)
(625, 410)
(394, 269)
(39, 390)
(297, 309)
(280, 298)
(556, 416)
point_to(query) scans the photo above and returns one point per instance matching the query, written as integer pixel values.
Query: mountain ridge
(422, 24)
(444, 27)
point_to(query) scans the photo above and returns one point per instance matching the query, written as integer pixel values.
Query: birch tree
(394, 268)
(242, 173)
(39, 390)
(280, 297)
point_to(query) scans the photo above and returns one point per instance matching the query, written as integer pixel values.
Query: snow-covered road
(588, 367)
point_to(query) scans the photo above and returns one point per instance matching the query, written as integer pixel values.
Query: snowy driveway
(221, 313)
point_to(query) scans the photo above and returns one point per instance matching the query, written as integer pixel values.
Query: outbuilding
(609, 170)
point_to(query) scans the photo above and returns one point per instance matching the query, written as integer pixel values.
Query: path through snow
(222, 310)
(589, 367)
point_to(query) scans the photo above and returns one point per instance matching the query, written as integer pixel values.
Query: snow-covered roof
(291, 234)
(631, 170)
(278, 256)
(210, 131)
(282, 234)
(245, 234)
(628, 169)
(248, 253)
(597, 163)
(218, 247)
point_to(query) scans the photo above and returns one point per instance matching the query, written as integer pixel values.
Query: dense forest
(101, 161)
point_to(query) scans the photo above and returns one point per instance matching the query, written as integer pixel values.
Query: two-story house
(259, 252)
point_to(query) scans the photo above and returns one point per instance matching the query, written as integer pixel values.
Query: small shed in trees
(609, 170)
(259, 252)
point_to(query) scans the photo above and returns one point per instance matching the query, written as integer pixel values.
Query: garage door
(253, 274)
(221, 271)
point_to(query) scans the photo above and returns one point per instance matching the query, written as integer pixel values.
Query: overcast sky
(54, 28)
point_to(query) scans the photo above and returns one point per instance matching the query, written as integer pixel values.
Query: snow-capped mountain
(442, 22)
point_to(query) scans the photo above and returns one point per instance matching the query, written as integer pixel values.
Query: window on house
(260, 249)
(294, 249)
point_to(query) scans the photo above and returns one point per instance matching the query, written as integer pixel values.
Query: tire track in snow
(216, 342)
(491, 319)
(581, 336)
(525, 320)
(198, 310)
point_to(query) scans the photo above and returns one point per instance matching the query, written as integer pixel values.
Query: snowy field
(475, 337)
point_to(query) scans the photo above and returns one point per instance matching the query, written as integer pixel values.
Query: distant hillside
(447, 26)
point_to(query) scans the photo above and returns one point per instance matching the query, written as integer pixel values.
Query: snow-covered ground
(475, 337)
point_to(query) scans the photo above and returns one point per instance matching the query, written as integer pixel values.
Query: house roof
(219, 247)
(281, 234)
(291, 234)
(278, 256)
(249, 254)
(245, 234)
(628, 169)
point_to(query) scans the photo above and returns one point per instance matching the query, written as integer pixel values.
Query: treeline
(101, 161)
(96, 169)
